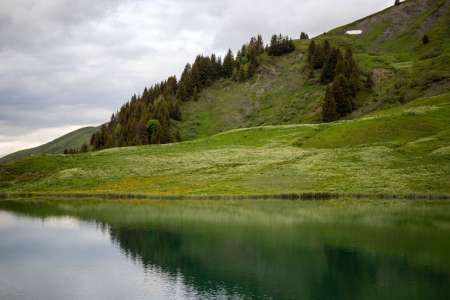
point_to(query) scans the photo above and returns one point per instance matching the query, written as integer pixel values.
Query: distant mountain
(72, 140)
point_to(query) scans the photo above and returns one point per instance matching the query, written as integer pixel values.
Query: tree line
(150, 118)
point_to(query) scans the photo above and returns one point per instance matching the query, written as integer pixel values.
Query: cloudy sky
(66, 64)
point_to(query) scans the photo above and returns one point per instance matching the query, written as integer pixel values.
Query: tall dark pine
(329, 67)
(342, 96)
(311, 51)
(228, 64)
(329, 113)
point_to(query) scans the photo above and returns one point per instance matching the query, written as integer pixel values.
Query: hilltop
(72, 140)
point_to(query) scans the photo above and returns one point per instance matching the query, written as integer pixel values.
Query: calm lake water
(118, 251)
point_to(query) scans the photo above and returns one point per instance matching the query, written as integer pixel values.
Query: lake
(337, 249)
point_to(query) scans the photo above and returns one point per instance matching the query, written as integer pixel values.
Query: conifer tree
(329, 67)
(318, 59)
(342, 96)
(304, 36)
(311, 51)
(228, 64)
(329, 113)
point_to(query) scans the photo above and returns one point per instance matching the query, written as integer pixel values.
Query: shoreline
(288, 196)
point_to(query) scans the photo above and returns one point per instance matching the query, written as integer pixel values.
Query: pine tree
(84, 148)
(326, 49)
(329, 68)
(304, 36)
(329, 113)
(318, 59)
(228, 64)
(311, 51)
(342, 96)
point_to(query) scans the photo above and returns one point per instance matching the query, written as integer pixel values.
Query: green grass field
(400, 150)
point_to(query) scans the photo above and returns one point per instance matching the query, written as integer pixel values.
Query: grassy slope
(71, 140)
(282, 94)
(400, 150)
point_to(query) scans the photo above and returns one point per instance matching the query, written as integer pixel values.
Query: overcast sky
(65, 64)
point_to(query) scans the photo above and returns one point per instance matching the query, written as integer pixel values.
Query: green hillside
(265, 136)
(400, 150)
(72, 140)
(281, 93)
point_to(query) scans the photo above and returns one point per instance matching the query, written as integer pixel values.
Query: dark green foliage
(152, 127)
(318, 57)
(228, 64)
(280, 45)
(342, 96)
(84, 148)
(369, 80)
(129, 126)
(330, 66)
(329, 112)
(247, 59)
(343, 73)
(425, 39)
(311, 51)
(304, 36)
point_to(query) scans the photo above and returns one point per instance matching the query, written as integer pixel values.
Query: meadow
(399, 150)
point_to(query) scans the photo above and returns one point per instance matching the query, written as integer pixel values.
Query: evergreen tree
(185, 89)
(228, 64)
(318, 59)
(311, 52)
(425, 39)
(326, 49)
(329, 113)
(84, 148)
(342, 96)
(304, 36)
(329, 68)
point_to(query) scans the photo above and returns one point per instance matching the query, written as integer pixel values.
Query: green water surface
(343, 249)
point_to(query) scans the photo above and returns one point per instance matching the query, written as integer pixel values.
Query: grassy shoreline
(290, 196)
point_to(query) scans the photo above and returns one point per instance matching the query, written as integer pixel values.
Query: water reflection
(50, 255)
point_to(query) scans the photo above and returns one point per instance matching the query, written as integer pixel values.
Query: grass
(399, 150)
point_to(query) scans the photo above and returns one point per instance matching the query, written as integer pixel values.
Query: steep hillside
(390, 46)
(399, 150)
(72, 140)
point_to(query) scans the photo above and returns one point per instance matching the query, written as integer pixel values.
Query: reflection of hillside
(264, 267)
(260, 260)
